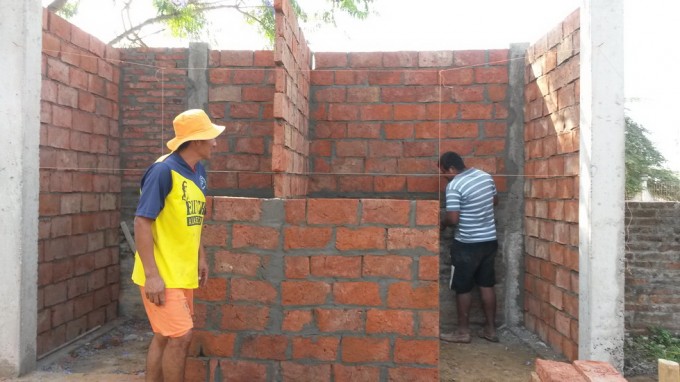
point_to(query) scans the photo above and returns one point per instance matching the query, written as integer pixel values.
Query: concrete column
(602, 178)
(198, 79)
(513, 237)
(20, 45)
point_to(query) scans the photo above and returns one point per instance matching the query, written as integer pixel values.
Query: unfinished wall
(291, 105)
(78, 279)
(652, 266)
(551, 187)
(319, 290)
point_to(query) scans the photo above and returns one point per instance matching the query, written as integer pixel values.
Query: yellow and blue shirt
(173, 195)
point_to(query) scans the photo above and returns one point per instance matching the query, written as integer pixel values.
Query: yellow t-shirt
(174, 196)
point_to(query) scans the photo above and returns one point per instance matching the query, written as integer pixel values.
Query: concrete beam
(21, 46)
(602, 178)
(198, 78)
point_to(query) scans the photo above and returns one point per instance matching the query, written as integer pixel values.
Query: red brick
(306, 237)
(196, 370)
(244, 317)
(428, 268)
(416, 351)
(411, 374)
(476, 111)
(339, 320)
(346, 373)
(297, 267)
(294, 372)
(357, 293)
(237, 209)
(553, 371)
(390, 321)
(252, 290)
(304, 292)
(411, 238)
(254, 236)
(235, 263)
(330, 60)
(318, 348)
(209, 344)
(598, 371)
(267, 347)
(423, 295)
(429, 324)
(391, 266)
(348, 239)
(242, 371)
(359, 349)
(214, 234)
(215, 290)
(385, 77)
(336, 266)
(389, 212)
(379, 112)
(296, 320)
(332, 211)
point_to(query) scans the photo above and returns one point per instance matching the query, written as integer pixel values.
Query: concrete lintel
(20, 120)
(602, 177)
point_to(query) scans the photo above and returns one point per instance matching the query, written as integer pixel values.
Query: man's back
(472, 194)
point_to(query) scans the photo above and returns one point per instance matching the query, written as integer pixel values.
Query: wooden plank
(128, 236)
(669, 371)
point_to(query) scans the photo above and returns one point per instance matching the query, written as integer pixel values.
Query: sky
(403, 25)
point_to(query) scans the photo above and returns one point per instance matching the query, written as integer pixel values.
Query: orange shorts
(173, 318)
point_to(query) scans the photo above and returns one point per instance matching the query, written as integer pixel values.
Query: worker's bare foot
(488, 334)
(457, 337)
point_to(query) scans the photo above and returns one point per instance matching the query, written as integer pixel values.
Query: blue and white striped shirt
(471, 193)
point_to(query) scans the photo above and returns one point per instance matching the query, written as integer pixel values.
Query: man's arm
(202, 266)
(450, 218)
(154, 285)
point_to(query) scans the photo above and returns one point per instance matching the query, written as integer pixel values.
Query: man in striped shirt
(470, 200)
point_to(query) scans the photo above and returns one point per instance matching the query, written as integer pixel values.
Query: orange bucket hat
(193, 125)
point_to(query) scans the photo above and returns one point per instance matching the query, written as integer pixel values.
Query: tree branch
(56, 5)
(161, 18)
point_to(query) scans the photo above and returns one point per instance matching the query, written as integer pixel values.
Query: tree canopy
(642, 158)
(188, 18)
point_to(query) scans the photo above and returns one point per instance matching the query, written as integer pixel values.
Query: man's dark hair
(183, 146)
(450, 159)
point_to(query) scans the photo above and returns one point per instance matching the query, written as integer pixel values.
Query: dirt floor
(116, 354)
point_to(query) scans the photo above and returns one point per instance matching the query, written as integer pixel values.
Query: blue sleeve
(202, 177)
(156, 185)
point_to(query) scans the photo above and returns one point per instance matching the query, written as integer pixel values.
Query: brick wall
(78, 271)
(241, 96)
(551, 187)
(378, 119)
(290, 157)
(319, 290)
(652, 266)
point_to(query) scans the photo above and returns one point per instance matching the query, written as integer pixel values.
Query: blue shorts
(473, 263)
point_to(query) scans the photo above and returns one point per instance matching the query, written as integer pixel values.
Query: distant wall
(78, 271)
(551, 151)
(652, 266)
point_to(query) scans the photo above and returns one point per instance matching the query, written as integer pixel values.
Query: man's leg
(463, 302)
(174, 358)
(154, 357)
(489, 306)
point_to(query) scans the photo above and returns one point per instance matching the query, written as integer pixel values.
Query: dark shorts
(473, 263)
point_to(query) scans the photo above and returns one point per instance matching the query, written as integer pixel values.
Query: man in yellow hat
(170, 261)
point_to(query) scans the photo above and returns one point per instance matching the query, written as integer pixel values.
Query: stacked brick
(380, 120)
(291, 105)
(78, 278)
(241, 96)
(319, 290)
(551, 187)
(652, 266)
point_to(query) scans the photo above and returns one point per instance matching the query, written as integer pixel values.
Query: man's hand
(155, 290)
(202, 271)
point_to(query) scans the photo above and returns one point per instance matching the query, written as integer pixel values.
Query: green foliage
(187, 19)
(642, 158)
(660, 343)
(69, 9)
